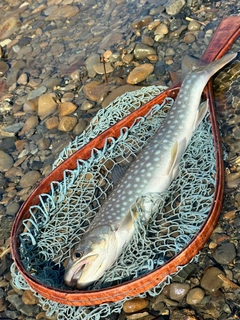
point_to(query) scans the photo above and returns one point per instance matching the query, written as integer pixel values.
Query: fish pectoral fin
(174, 156)
(203, 108)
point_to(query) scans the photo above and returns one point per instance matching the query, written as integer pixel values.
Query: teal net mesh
(65, 213)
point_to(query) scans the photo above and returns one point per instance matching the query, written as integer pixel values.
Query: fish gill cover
(64, 214)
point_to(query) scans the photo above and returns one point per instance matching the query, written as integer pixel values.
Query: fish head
(91, 257)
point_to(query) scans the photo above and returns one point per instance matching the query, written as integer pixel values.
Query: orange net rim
(225, 35)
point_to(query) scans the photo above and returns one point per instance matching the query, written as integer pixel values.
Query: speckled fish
(151, 173)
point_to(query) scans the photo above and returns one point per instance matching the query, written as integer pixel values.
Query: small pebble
(6, 161)
(210, 280)
(140, 73)
(195, 296)
(178, 290)
(29, 298)
(99, 68)
(52, 123)
(3, 68)
(29, 179)
(66, 108)
(135, 305)
(46, 105)
(225, 253)
(67, 123)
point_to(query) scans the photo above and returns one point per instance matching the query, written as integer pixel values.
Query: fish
(150, 174)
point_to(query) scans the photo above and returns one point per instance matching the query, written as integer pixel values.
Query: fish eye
(77, 254)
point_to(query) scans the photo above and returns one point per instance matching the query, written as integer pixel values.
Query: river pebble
(225, 253)
(210, 280)
(66, 108)
(29, 179)
(141, 51)
(195, 296)
(135, 305)
(178, 290)
(175, 7)
(3, 68)
(67, 123)
(6, 161)
(8, 26)
(46, 105)
(140, 73)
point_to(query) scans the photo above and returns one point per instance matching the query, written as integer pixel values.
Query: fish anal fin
(203, 108)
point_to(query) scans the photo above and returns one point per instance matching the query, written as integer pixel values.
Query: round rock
(195, 296)
(210, 280)
(67, 123)
(178, 290)
(6, 161)
(29, 179)
(140, 73)
(66, 108)
(46, 105)
(141, 51)
(225, 253)
(135, 305)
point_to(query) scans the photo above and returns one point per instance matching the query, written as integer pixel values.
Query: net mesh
(64, 214)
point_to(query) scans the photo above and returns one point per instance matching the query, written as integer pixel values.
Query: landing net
(65, 213)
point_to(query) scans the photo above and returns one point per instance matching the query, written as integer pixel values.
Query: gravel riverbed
(52, 83)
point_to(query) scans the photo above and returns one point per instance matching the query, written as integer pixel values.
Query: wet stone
(46, 105)
(29, 179)
(161, 29)
(7, 27)
(183, 314)
(23, 79)
(189, 38)
(225, 253)
(140, 73)
(6, 161)
(65, 12)
(29, 298)
(30, 123)
(12, 208)
(66, 108)
(67, 123)
(81, 125)
(14, 128)
(195, 296)
(99, 68)
(52, 123)
(194, 25)
(92, 60)
(210, 280)
(95, 91)
(141, 51)
(43, 143)
(178, 290)
(175, 7)
(36, 92)
(135, 305)
(3, 68)
(86, 105)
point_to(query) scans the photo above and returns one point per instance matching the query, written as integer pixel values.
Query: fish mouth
(73, 275)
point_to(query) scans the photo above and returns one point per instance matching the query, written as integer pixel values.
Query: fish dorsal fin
(190, 63)
(202, 110)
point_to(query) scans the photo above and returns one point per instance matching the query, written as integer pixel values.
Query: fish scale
(150, 174)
